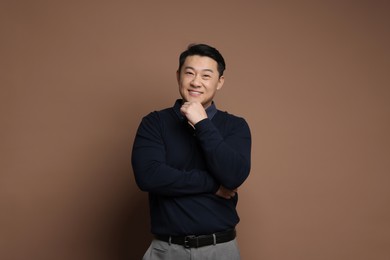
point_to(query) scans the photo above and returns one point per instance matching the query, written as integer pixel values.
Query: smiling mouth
(194, 93)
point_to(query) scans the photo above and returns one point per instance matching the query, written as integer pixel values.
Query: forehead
(200, 63)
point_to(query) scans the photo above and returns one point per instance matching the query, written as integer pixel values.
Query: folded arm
(228, 158)
(153, 174)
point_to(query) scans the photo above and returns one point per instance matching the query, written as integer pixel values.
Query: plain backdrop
(311, 78)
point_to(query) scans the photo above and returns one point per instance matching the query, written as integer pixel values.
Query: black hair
(203, 50)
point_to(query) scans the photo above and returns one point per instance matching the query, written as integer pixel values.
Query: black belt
(199, 241)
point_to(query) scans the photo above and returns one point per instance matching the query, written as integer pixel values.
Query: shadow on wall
(131, 231)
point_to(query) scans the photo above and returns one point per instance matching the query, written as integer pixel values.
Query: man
(191, 158)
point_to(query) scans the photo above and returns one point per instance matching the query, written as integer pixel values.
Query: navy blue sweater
(182, 168)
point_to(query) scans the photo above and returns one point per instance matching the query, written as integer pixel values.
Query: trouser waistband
(199, 241)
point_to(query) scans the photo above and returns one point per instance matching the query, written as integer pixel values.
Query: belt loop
(170, 240)
(215, 239)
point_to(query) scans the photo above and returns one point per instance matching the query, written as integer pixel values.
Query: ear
(221, 80)
(178, 76)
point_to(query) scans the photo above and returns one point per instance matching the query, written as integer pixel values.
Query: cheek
(180, 83)
(211, 86)
(183, 82)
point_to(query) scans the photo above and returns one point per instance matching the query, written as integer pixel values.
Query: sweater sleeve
(228, 157)
(151, 171)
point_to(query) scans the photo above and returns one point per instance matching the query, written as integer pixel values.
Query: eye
(189, 73)
(206, 76)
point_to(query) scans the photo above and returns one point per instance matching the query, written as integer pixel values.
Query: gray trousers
(160, 250)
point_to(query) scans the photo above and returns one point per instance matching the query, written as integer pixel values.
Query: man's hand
(193, 111)
(225, 193)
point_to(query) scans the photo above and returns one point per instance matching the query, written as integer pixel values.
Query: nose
(195, 82)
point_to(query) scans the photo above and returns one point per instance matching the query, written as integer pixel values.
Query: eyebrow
(189, 67)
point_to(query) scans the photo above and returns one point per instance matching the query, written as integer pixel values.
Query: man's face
(199, 80)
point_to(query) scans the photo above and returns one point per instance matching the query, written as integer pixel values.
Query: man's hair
(206, 51)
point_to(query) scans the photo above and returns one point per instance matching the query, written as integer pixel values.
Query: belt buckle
(187, 241)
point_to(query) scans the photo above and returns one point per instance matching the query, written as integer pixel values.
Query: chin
(193, 99)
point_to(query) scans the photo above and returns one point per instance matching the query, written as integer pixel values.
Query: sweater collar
(211, 110)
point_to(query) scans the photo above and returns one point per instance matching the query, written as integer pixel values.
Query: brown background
(311, 78)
